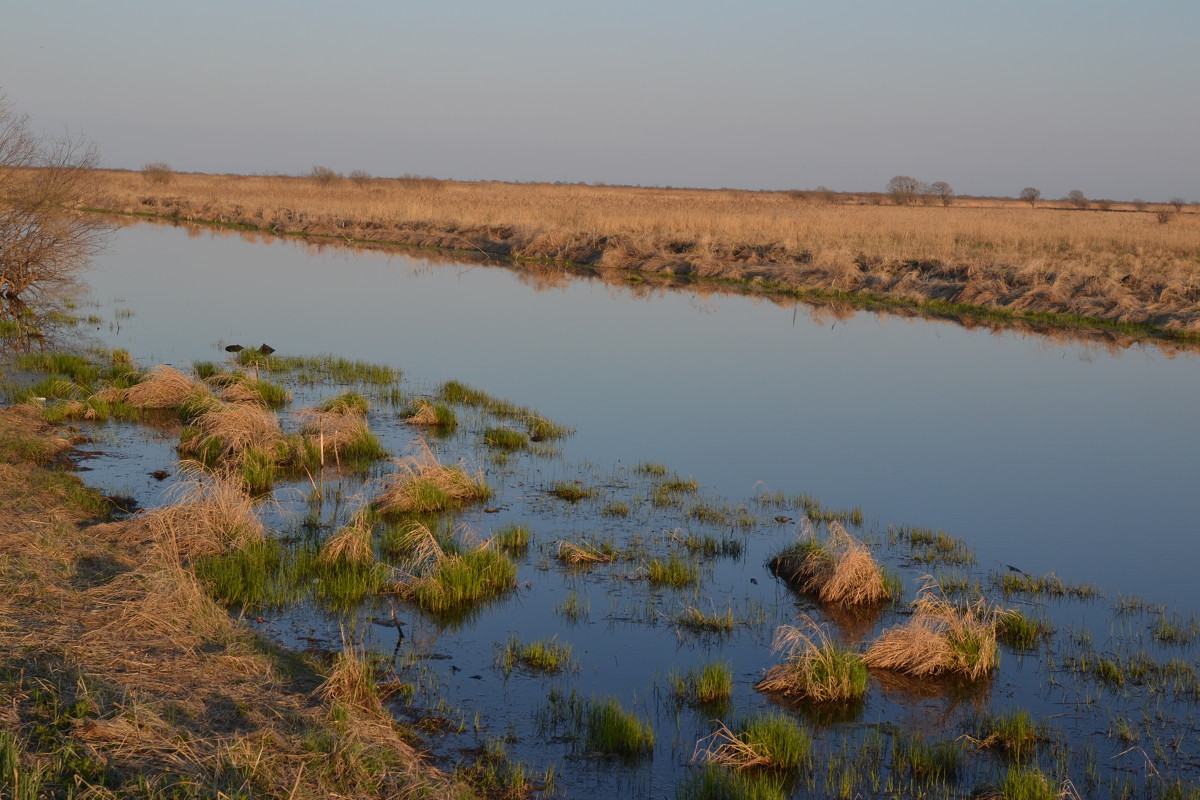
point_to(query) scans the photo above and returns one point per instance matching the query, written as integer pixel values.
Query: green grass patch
(709, 685)
(512, 538)
(505, 439)
(573, 607)
(1026, 783)
(458, 583)
(651, 469)
(543, 655)
(925, 762)
(615, 509)
(673, 572)
(1021, 632)
(1013, 733)
(571, 491)
(1049, 584)
(710, 546)
(346, 403)
(612, 730)
(695, 620)
(717, 783)
(926, 546)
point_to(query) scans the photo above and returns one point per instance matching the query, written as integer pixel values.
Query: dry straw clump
(583, 553)
(236, 428)
(342, 433)
(209, 513)
(839, 571)
(165, 387)
(815, 668)
(941, 638)
(423, 484)
(352, 544)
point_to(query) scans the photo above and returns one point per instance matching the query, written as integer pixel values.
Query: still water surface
(1051, 456)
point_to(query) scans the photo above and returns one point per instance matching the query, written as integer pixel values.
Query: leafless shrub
(904, 189)
(1031, 195)
(1178, 202)
(1139, 204)
(361, 178)
(1164, 215)
(45, 236)
(158, 172)
(324, 176)
(1077, 198)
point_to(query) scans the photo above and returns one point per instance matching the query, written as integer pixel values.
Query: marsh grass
(259, 575)
(207, 513)
(815, 668)
(925, 762)
(512, 538)
(709, 546)
(711, 684)
(697, 620)
(586, 553)
(1049, 584)
(940, 638)
(571, 491)
(573, 607)
(928, 546)
(674, 572)
(346, 403)
(617, 508)
(651, 469)
(422, 484)
(537, 426)
(1013, 733)
(1027, 783)
(713, 782)
(772, 741)
(544, 655)
(431, 415)
(839, 570)
(1021, 632)
(611, 730)
(505, 439)
(1175, 629)
(452, 583)
(165, 387)
(242, 389)
(340, 433)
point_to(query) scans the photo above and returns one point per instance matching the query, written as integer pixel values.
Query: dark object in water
(266, 348)
(536, 437)
(234, 348)
(160, 474)
(782, 520)
(1011, 568)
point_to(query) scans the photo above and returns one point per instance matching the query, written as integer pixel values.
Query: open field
(1137, 270)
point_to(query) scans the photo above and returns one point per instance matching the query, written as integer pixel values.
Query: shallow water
(1046, 456)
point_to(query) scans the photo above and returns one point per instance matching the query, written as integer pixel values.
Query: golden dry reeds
(839, 570)
(940, 638)
(421, 483)
(582, 553)
(353, 543)
(208, 513)
(236, 427)
(351, 681)
(339, 433)
(164, 387)
(424, 414)
(995, 253)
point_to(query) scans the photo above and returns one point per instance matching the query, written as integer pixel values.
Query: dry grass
(815, 668)
(940, 638)
(582, 553)
(1120, 265)
(164, 387)
(353, 543)
(839, 570)
(237, 427)
(421, 484)
(209, 513)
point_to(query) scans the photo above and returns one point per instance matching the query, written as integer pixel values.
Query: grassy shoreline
(122, 678)
(993, 261)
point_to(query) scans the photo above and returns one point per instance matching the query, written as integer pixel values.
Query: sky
(990, 97)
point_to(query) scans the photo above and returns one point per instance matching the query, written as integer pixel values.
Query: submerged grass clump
(928, 546)
(1013, 582)
(765, 741)
(940, 638)
(839, 570)
(505, 439)
(815, 668)
(1021, 632)
(699, 621)
(612, 730)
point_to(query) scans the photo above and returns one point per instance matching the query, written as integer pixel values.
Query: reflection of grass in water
(717, 783)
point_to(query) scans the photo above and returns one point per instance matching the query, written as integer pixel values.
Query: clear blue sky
(763, 94)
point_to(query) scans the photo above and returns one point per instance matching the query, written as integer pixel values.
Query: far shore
(1132, 270)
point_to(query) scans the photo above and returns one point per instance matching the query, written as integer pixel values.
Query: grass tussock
(940, 638)
(432, 415)
(713, 782)
(612, 730)
(673, 572)
(839, 570)
(229, 429)
(449, 581)
(340, 433)
(710, 685)
(815, 668)
(208, 513)
(1014, 733)
(164, 387)
(765, 741)
(353, 544)
(544, 655)
(422, 484)
(571, 491)
(585, 553)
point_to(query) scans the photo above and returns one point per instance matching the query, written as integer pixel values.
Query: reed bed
(839, 570)
(1120, 265)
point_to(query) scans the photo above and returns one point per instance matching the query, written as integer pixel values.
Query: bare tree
(1077, 198)
(942, 191)
(1031, 195)
(45, 236)
(1178, 202)
(1139, 204)
(903, 189)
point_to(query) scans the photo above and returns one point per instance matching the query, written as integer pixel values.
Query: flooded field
(710, 433)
